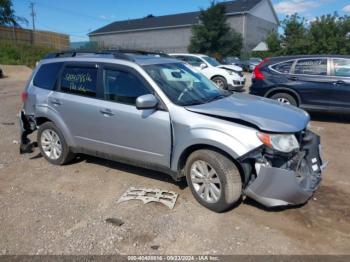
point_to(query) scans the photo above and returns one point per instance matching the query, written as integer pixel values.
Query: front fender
(213, 138)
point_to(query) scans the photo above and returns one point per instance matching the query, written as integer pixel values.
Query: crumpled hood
(231, 67)
(266, 114)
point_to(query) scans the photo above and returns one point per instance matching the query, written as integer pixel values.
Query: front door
(125, 131)
(340, 98)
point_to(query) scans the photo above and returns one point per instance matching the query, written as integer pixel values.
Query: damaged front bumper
(290, 183)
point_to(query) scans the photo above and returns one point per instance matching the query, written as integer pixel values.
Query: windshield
(183, 86)
(211, 61)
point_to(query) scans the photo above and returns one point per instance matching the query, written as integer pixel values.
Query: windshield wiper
(214, 98)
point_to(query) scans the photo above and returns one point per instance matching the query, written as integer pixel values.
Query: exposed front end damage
(282, 179)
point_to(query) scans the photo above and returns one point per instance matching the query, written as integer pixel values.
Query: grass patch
(21, 53)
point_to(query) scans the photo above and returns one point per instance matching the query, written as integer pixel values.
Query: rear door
(312, 81)
(340, 97)
(77, 101)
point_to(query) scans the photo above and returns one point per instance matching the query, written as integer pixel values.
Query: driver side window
(122, 86)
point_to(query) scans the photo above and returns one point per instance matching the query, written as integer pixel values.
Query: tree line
(328, 34)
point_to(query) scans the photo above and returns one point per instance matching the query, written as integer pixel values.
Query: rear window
(46, 77)
(283, 68)
(311, 67)
(342, 67)
(79, 80)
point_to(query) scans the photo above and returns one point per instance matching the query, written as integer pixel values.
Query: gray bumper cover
(277, 187)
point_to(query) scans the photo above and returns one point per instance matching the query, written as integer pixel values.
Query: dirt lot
(46, 209)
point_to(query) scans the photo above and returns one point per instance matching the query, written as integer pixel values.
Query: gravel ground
(47, 209)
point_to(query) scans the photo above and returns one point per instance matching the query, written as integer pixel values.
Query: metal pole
(33, 14)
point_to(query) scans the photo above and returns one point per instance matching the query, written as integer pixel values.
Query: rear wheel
(213, 179)
(285, 98)
(52, 144)
(220, 82)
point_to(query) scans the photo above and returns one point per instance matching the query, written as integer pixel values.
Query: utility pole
(32, 14)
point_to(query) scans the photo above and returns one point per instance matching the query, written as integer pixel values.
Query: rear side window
(311, 67)
(283, 68)
(47, 75)
(341, 67)
(79, 80)
(123, 87)
(193, 61)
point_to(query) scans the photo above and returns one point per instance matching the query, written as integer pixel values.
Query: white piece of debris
(147, 195)
(15, 142)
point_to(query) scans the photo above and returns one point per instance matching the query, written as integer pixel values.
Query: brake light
(24, 96)
(257, 74)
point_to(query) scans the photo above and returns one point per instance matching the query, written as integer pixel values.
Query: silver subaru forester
(153, 111)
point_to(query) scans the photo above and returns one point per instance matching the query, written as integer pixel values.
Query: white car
(228, 77)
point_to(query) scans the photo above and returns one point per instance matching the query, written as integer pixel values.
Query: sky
(79, 17)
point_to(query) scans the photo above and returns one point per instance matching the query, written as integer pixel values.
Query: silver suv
(154, 111)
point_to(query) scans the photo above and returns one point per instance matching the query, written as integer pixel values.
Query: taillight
(257, 74)
(24, 96)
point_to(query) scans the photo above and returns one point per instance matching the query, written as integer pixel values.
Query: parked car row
(314, 83)
(224, 76)
(247, 65)
(157, 112)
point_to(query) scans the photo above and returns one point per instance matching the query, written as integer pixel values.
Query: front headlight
(232, 73)
(280, 142)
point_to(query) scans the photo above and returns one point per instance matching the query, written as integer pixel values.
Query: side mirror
(146, 102)
(203, 66)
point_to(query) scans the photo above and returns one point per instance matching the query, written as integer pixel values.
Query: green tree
(295, 38)
(7, 15)
(324, 35)
(343, 42)
(273, 42)
(213, 36)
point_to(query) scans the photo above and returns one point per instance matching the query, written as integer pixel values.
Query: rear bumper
(27, 126)
(275, 186)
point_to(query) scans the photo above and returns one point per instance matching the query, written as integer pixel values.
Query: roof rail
(114, 53)
(138, 52)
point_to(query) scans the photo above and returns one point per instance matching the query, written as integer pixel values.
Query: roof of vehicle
(138, 57)
(187, 54)
(281, 58)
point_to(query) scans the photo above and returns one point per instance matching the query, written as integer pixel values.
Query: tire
(220, 82)
(227, 180)
(57, 139)
(285, 99)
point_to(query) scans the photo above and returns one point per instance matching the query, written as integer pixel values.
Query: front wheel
(52, 144)
(213, 179)
(220, 82)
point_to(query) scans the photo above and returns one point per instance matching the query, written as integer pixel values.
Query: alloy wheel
(51, 144)
(205, 181)
(220, 83)
(283, 100)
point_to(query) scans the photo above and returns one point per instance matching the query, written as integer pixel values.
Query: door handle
(293, 78)
(106, 112)
(55, 102)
